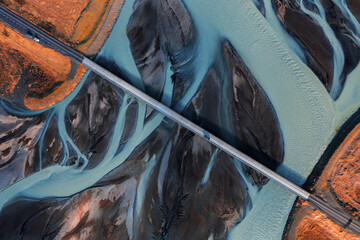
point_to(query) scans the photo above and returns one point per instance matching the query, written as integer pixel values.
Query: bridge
(38, 35)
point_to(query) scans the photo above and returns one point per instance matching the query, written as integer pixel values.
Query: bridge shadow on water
(214, 128)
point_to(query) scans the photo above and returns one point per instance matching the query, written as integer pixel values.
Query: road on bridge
(38, 35)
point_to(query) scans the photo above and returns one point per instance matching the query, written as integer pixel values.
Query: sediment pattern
(101, 165)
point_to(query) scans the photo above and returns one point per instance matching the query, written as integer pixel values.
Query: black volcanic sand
(248, 122)
(218, 205)
(177, 203)
(318, 51)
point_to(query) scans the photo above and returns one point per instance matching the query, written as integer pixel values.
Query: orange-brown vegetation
(311, 224)
(344, 176)
(40, 75)
(28, 68)
(339, 185)
(85, 24)
(42, 97)
(315, 225)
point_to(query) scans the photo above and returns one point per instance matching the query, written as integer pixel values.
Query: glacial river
(307, 114)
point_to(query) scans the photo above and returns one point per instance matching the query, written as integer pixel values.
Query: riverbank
(337, 180)
(354, 6)
(36, 77)
(85, 25)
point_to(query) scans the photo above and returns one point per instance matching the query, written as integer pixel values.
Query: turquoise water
(64, 181)
(117, 46)
(339, 58)
(307, 114)
(279, 29)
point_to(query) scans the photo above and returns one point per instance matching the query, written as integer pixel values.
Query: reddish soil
(85, 24)
(311, 224)
(41, 76)
(339, 185)
(28, 67)
(344, 177)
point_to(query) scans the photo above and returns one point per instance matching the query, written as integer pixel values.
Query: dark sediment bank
(317, 47)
